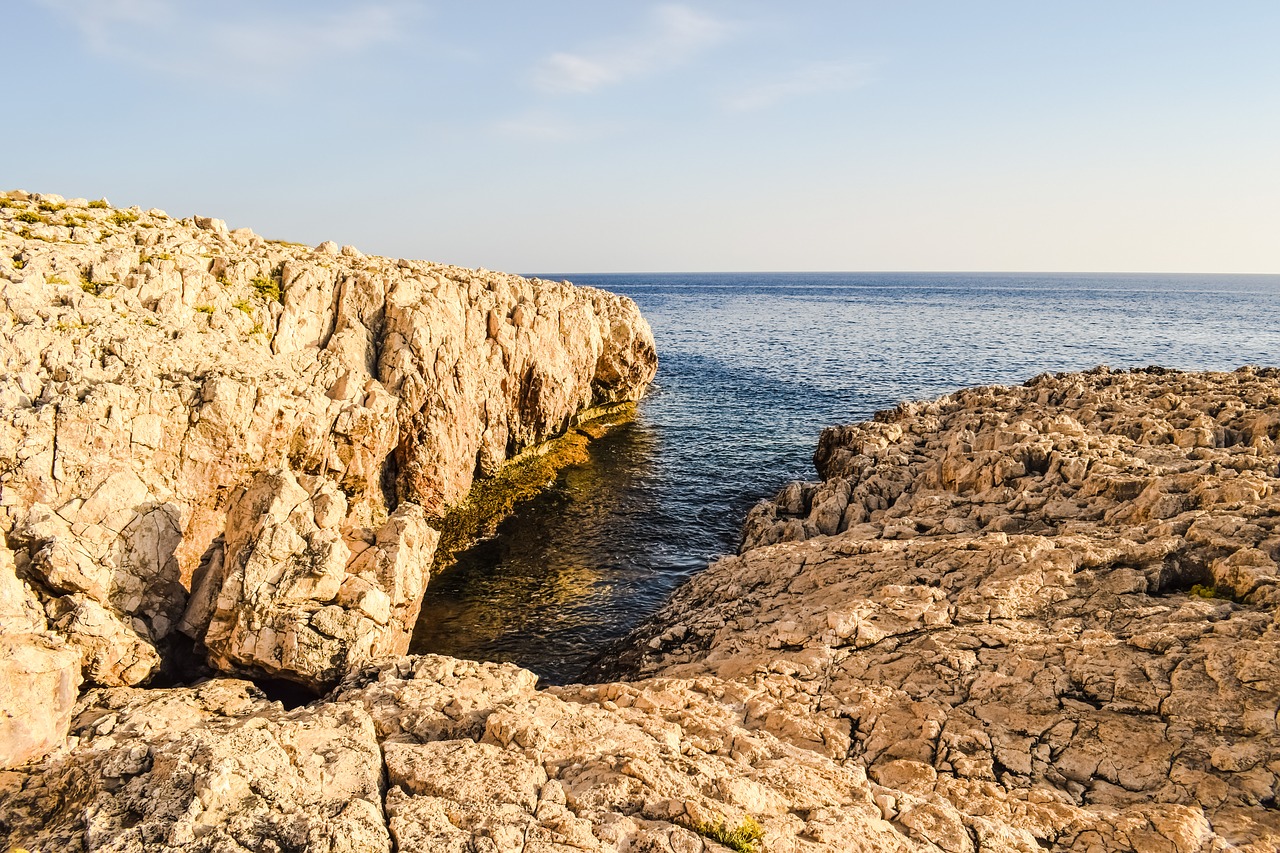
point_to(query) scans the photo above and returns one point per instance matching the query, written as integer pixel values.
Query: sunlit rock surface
(247, 442)
(1054, 603)
(1012, 619)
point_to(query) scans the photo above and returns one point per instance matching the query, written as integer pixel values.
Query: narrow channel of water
(751, 368)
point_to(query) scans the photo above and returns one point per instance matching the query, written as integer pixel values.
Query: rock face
(1059, 599)
(249, 441)
(39, 674)
(216, 767)
(1011, 619)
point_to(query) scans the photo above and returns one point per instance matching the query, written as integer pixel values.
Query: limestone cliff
(270, 427)
(1011, 619)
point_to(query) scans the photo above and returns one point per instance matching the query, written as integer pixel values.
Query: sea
(751, 368)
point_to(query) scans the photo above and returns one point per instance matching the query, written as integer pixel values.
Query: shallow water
(751, 368)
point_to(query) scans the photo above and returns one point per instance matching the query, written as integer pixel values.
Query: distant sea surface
(752, 367)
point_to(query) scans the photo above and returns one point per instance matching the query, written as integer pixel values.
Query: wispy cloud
(676, 35)
(240, 41)
(811, 79)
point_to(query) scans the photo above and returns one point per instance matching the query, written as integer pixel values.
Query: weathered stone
(39, 681)
(151, 368)
(39, 674)
(210, 768)
(1032, 591)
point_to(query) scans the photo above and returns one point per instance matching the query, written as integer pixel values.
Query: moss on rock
(520, 478)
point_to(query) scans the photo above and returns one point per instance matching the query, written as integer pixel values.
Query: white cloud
(283, 41)
(243, 42)
(676, 35)
(812, 79)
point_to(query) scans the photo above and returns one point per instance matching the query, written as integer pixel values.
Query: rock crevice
(269, 427)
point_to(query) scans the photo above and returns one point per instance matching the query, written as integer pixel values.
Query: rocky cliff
(1011, 619)
(253, 442)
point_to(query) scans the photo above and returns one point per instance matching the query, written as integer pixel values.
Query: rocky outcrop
(39, 674)
(251, 442)
(290, 596)
(1064, 593)
(217, 767)
(951, 668)
(1011, 619)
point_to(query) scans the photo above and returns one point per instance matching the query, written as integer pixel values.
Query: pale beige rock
(39, 674)
(111, 651)
(210, 768)
(39, 681)
(291, 599)
(151, 367)
(996, 589)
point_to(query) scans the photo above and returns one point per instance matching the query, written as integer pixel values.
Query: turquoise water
(752, 367)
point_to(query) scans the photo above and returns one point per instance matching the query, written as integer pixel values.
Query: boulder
(39, 674)
(292, 598)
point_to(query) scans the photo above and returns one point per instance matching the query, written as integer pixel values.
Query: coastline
(1010, 618)
(912, 680)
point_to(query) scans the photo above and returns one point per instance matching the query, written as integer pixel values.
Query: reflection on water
(552, 595)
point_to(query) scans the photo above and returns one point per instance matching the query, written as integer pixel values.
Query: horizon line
(892, 272)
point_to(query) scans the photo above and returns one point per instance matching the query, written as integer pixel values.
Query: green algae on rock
(152, 412)
(520, 478)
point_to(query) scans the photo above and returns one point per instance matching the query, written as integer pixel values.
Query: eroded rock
(154, 367)
(216, 767)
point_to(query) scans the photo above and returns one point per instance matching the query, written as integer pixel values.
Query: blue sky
(1129, 135)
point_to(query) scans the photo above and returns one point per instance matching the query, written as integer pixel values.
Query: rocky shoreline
(1010, 619)
(222, 447)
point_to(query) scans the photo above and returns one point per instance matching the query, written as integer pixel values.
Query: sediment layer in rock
(250, 441)
(1038, 618)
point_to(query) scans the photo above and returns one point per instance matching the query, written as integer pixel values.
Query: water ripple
(752, 368)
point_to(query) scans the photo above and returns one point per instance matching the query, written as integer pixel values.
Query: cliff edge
(1012, 619)
(254, 442)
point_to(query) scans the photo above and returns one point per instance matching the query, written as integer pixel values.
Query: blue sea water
(752, 367)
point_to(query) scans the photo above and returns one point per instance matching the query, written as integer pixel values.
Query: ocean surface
(752, 367)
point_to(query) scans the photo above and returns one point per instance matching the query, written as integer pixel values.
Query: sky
(629, 136)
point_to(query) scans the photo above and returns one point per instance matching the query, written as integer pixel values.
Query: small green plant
(124, 217)
(18, 262)
(51, 207)
(30, 217)
(267, 288)
(205, 309)
(745, 839)
(150, 321)
(100, 204)
(1213, 593)
(5, 203)
(244, 305)
(57, 279)
(257, 329)
(222, 280)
